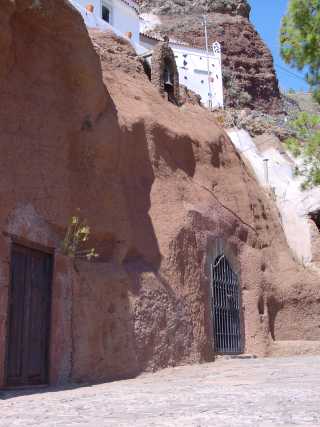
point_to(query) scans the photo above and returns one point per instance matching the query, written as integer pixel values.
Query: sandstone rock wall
(163, 191)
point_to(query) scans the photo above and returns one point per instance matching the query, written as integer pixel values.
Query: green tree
(300, 40)
(306, 146)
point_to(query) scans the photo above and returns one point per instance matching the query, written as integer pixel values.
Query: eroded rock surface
(163, 191)
(173, 7)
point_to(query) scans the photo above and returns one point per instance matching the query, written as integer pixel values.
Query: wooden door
(29, 317)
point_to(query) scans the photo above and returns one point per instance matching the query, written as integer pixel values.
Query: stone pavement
(254, 392)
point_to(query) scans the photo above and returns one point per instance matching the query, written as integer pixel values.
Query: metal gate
(226, 308)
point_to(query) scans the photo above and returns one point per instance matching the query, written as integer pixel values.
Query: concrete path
(260, 392)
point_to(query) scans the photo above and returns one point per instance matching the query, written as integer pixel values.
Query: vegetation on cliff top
(306, 146)
(300, 40)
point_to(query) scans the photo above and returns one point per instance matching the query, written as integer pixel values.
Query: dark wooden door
(29, 317)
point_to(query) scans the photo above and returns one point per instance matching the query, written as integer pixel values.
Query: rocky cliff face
(177, 7)
(249, 75)
(163, 190)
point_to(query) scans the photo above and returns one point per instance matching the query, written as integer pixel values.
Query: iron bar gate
(226, 307)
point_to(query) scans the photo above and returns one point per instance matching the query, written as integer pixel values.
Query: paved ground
(260, 392)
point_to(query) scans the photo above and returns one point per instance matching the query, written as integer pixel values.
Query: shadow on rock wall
(156, 184)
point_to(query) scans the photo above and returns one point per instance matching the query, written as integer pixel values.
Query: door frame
(18, 241)
(212, 302)
(216, 246)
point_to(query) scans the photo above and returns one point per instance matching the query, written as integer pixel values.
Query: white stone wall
(123, 18)
(126, 19)
(193, 72)
(193, 69)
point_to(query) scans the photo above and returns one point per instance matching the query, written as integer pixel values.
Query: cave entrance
(315, 217)
(226, 307)
(147, 68)
(169, 84)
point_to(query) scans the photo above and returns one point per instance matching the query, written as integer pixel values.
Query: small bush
(76, 236)
(306, 145)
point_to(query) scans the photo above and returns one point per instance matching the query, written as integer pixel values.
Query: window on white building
(106, 12)
(201, 71)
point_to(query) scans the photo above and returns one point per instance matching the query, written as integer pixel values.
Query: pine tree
(300, 40)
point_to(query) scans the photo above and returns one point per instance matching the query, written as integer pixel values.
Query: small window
(105, 13)
(203, 72)
(202, 81)
(185, 77)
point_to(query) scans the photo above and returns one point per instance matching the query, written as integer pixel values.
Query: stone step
(236, 356)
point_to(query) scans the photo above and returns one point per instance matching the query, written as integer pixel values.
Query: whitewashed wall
(123, 17)
(96, 4)
(193, 72)
(193, 69)
(126, 19)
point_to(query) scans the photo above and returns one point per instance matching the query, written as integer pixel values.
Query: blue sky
(266, 16)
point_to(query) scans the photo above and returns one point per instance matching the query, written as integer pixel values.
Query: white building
(121, 16)
(198, 71)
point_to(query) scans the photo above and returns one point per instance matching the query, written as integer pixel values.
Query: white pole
(266, 171)
(208, 61)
